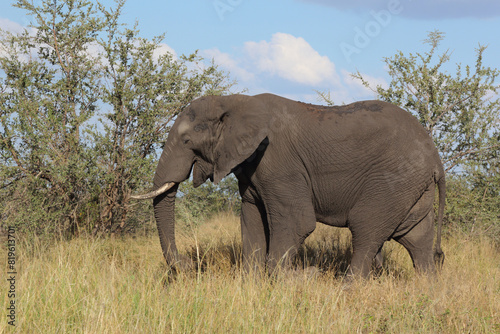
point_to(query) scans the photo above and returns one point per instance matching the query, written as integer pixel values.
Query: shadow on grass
(221, 256)
(329, 251)
(329, 255)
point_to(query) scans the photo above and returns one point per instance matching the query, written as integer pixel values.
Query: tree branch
(468, 152)
(56, 46)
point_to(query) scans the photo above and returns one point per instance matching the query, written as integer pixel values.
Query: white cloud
(291, 58)
(299, 71)
(94, 50)
(229, 63)
(10, 26)
(163, 49)
(15, 28)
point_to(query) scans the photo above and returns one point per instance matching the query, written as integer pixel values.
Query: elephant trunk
(169, 173)
(174, 167)
(164, 209)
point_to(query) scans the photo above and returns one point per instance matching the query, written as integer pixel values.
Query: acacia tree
(84, 105)
(47, 94)
(145, 91)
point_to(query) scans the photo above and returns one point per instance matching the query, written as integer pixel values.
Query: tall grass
(123, 286)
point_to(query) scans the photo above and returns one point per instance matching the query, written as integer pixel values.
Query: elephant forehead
(183, 127)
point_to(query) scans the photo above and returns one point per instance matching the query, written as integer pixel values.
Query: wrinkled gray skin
(369, 166)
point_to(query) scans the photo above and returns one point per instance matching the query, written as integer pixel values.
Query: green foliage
(198, 204)
(47, 95)
(146, 90)
(85, 104)
(472, 205)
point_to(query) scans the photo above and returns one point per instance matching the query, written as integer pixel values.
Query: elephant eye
(185, 141)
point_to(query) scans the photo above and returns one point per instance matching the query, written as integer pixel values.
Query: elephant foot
(347, 286)
(302, 275)
(377, 269)
(350, 281)
(180, 263)
(312, 272)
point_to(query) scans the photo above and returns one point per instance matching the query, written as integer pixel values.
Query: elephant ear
(244, 124)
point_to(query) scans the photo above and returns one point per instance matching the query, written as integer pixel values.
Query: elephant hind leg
(369, 232)
(368, 238)
(379, 261)
(419, 243)
(363, 255)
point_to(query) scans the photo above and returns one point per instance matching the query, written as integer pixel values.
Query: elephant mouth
(164, 188)
(161, 190)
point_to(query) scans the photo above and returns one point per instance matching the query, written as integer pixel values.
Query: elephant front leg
(255, 236)
(289, 227)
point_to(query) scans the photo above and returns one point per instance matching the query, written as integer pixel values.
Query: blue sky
(296, 47)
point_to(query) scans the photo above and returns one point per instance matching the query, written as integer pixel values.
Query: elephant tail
(438, 252)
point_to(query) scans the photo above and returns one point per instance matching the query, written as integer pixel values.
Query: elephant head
(212, 136)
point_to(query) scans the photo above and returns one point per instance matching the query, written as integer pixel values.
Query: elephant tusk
(156, 192)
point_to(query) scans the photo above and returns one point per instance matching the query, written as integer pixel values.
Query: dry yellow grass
(121, 286)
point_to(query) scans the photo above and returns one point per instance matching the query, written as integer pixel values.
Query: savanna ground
(121, 285)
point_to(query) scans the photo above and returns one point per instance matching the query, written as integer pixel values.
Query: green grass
(122, 286)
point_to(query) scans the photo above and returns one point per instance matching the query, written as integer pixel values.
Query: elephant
(369, 166)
